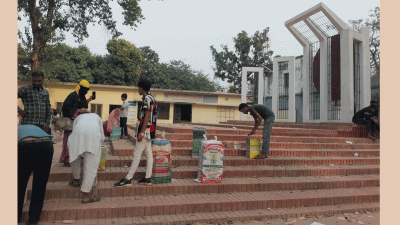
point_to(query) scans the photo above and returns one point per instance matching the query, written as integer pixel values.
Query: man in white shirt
(124, 116)
(85, 142)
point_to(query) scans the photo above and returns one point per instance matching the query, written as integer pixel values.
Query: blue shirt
(25, 131)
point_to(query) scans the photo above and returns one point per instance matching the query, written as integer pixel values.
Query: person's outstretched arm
(257, 122)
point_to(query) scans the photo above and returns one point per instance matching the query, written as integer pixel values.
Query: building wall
(107, 95)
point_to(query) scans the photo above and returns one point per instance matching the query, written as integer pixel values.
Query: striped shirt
(36, 105)
(148, 105)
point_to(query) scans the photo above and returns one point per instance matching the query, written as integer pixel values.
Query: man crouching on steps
(260, 112)
(146, 130)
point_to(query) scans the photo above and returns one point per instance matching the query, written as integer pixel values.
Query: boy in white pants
(146, 130)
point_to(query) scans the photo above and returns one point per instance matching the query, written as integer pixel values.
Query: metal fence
(283, 91)
(314, 92)
(333, 106)
(357, 76)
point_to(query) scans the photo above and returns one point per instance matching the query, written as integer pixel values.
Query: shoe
(145, 181)
(123, 183)
(74, 184)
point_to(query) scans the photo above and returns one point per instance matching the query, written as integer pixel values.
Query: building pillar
(323, 86)
(365, 69)
(346, 76)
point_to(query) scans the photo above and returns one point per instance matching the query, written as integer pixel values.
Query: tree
(150, 68)
(67, 64)
(125, 59)
(179, 76)
(249, 52)
(23, 63)
(373, 23)
(49, 19)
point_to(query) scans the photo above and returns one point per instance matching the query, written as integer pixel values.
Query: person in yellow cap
(75, 104)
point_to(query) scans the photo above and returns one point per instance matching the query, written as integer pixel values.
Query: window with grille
(96, 108)
(163, 111)
(333, 77)
(225, 113)
(357, 76)
(283, 89)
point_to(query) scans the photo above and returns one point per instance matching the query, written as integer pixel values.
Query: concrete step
(228, 185)
(151, 205)
(228, 217)
(177, 161)
(60, 173)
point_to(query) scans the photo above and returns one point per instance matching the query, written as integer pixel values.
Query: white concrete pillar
(365, 69)
(346, 76)
(323, 78)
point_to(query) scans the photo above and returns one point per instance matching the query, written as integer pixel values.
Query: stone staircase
(311, 170)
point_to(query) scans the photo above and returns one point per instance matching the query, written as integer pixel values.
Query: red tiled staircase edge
(115, 207)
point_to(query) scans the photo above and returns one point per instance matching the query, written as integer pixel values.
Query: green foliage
(126, 60)
(150, 68)
(373, 23)
(50, 19)
(179, 76)
(124, 65)
(23, 63)
(249, 52)
(66, 64)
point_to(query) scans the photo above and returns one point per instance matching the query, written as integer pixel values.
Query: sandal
(91, 199)
(260, 156)
(74, 184)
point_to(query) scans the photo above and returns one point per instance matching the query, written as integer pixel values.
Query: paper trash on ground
(349, 142)
(316, 223)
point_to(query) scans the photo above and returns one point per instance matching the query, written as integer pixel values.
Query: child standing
(124, 116)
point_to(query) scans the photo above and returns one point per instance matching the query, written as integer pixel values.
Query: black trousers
(33, 157)
(124, 127)
(370, 124)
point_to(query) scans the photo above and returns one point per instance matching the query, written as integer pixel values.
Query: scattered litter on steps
(356, 154)
(349, 142)
(316, 223)
(234, 128)
(332, 164)
(68, 221)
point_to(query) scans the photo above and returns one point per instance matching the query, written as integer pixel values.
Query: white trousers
(90, 166)
(145, 144)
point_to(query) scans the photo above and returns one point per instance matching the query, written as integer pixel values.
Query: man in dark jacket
(369, 117)
(73, 105)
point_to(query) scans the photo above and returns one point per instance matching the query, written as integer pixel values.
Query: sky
(185, 29)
